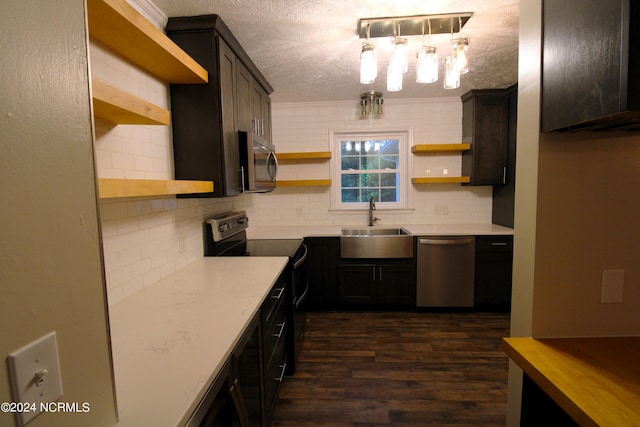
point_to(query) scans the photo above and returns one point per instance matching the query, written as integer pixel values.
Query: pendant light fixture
(427, 60)
(368, 62)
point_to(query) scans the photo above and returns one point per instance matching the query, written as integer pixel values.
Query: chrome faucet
(372, 207)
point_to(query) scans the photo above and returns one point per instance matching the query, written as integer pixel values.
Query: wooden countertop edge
(597, 380)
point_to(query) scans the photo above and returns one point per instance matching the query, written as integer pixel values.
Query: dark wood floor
(398, 369)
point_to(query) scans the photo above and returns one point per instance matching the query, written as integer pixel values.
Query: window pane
(350, 196)
(390, 162)
(350, 163)
(370, 180)
(390, 195)
(389, 179)
(351, 180)
(370, 163)
(368, 192)
(350, 148)
(390, 146)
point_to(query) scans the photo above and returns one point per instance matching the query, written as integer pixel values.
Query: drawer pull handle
(284, 368)
(498, 243)
(281, 290)
(279, 334)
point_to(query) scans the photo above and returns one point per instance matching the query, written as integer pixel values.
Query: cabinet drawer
(494, 244)
(275, 297)
(274, 375)
(274, 332)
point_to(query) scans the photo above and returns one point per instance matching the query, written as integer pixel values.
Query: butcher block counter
(596, 381)
(171, 339)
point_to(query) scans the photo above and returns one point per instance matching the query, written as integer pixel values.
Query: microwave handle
(275, 163)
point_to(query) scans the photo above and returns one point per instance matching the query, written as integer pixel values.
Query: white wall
(308, 126)
(50, 258)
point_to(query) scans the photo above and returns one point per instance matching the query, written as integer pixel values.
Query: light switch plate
(35, 375)
(612, 286)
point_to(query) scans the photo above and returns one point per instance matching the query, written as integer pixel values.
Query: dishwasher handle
(445, 241)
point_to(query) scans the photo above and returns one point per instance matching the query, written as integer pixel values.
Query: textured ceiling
(309, 50)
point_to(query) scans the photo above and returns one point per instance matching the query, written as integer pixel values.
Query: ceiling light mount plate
(414, 25)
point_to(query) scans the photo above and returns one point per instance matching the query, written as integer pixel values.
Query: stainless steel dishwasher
(445, 276)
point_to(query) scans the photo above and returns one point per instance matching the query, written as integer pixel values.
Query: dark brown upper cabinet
(206, 119)
(590, 65)
(485, 125)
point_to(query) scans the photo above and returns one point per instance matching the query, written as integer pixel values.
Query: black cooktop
(272, 247)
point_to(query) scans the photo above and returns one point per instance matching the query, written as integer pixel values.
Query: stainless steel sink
(376, 242)
(373, 231)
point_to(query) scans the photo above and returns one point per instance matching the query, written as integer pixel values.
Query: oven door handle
(301, 260)
(302, 297)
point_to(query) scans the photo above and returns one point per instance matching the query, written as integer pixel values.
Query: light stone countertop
(171, 339)
(298, 232)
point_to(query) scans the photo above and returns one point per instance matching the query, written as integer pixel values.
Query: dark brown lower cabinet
(493, 276)
(322, 267)
(235, 397)
(371, 284)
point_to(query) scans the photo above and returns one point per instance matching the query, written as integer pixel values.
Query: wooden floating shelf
(112, 188)
(312, 155)
(439, 148)
(441, 180)
(120, 107)
(120, 27)
(304, 183)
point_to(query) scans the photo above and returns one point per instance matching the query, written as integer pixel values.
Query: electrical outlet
(35, 375)
(299, 211)
(182, 244)
(612, 286)
(441, 209)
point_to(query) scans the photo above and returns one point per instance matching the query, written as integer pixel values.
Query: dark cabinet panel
(493, 277)
(206, 118)
(246, 385)
(504, 195)
(590, 65)
(485, 125)
(380, 284)
(276, 317)
(322, 271)
(356, 284)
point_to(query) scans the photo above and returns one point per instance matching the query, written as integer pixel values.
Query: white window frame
(405, 138)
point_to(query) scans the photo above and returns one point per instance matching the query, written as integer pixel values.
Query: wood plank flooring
(398, 369)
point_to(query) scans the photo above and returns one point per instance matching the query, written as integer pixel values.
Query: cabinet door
(266, 117)
(396, 285)
(322, 267)
(356, 284)
(243, 96)
(485, 124)
(494, 263)
(229, 133)
(247, 378)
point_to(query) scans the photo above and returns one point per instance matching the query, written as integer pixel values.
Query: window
(370, 165)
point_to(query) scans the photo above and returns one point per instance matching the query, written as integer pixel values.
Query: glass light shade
(368, 64)
(394, 78)
(427, 65)
(399, 57)
(461, 52)
(451, 74)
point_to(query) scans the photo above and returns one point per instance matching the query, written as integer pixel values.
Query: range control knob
(223, 227)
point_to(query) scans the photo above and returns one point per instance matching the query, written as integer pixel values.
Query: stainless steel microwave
(258, 164)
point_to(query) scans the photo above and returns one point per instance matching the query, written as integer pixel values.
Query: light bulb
(451, 74)
(368, 64)
(461, 52)
(427, 65)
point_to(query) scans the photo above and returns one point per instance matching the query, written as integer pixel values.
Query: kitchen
(597, 203)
